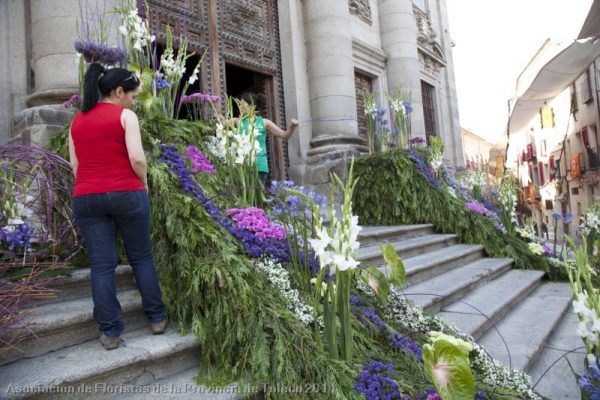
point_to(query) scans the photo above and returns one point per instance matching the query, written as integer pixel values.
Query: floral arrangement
(200, 162)
(402, 109)
(255, 220)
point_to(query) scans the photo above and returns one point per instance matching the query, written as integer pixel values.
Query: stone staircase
(479, 295)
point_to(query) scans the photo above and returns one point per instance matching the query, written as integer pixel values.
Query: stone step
(559, 382)
(527, 327)
(180, 386)
(428, 265)
(67, 323)
(371, 255)
(77, 285)
(372, 235)
(442, 289)
(494, 300)
(89, 371)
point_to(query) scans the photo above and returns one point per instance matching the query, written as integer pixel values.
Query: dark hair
(101, 81)
(258, 100)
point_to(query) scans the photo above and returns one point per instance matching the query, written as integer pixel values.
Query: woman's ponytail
(91, 90)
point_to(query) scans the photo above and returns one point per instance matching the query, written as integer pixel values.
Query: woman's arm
(277, 131)
(72, 155)
(133, 141)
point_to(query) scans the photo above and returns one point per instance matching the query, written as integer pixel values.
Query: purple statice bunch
(255, 220)
(370, 319)
(590, 382)
(423, 167)
(417, 140)
(476, 208)
(198, 97)
(161, 83)
(256, 247)
(406, 346)
(94, 52)
(357, 301)
(283, 202)
(367, 316)
(430, 394)
(376, 382)
(548, 251)
(408, 108)
(199, 161)
(17, 237)
(73, 101)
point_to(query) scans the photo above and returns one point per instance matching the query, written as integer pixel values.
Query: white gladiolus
(194, 76)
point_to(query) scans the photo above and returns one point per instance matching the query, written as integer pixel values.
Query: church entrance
(239, 80)
(241, 40)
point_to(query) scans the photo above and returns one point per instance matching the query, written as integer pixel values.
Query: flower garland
(280, 279)
(492, 372)
(255, 220)
(199, 160)
(376, 382)
(254, 246)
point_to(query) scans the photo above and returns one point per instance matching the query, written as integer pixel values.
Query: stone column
(399, 40)
(331, 90)
(14, 67)
(55, 74)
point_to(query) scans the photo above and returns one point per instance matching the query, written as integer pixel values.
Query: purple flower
(477, 208)
(72, 102)
(567, 218)
(590, 382)
(255, 220)
(408, 108)
(548, 251)
(199, 160)
(93, 52)
(198, 97)
(254, 246)
(19, 237)
(557, 216)
(426, 170)
(376, 382)
(417, 140)
(407, 346)
(161, 83)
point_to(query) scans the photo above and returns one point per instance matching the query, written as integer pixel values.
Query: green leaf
(447, 362)
(377, 281)
(393, 264)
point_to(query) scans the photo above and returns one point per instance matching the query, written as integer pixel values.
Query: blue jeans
(99, 217)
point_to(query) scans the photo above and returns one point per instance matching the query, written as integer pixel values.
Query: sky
(493, 42)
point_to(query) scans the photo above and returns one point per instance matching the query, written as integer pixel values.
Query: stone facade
(310, 51)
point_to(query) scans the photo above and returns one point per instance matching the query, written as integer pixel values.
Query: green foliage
(211, 289)
(392, 191)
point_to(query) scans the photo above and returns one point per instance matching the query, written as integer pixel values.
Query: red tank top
(104, 164)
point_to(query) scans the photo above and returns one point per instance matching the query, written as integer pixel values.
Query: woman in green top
(247, 101)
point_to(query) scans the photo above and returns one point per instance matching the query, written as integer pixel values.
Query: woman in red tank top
(110, 196)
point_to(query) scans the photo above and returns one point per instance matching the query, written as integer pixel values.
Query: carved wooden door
(244, 33)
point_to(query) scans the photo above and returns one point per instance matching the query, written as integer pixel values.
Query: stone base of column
(331, 153)
(37, 125)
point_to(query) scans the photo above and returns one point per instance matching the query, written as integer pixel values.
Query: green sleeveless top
(262, 163)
